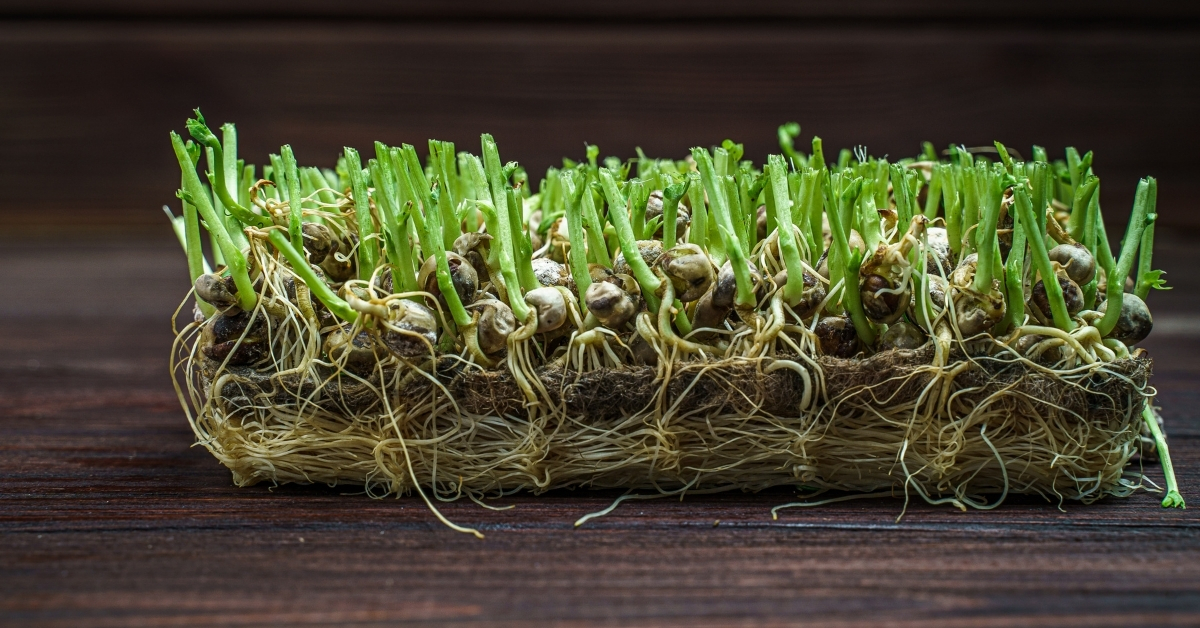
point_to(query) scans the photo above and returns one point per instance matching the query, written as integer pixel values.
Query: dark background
(109, 516)
(90, 88)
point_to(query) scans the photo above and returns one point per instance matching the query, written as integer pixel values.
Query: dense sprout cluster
(613, 263)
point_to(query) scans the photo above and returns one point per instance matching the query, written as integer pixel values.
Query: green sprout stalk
(315, 284)
(720, 209)
(868, 219)
(744, 224)
(629, 248)
(671, 196)
(952, 201)
(1014, 278)
(523, 249)
(1147, 278)
(812, 197)
(497, 187)
(970, 208)
(638, 194)
(441, 157)
(433, 222)
(698, 234)
(398, 252)
(1089, 242)
(778, 203)
(368, 245)
(483, 203)
(990, 192)
(844, 264)
(817, 161)
(191, 228)
(1041, 260)
(1172, 499)
(201, 133)
(412, 193)
(295, 198)
(1079, 207)
(597, 248)
(1143, 206)
(576, 255)
(934, 195)
(234, 260)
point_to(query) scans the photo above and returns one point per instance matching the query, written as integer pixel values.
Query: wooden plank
(1073, 11)
(86, 106)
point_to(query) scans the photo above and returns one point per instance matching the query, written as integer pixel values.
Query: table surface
(109, 516)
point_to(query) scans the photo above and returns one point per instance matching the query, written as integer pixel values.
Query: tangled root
(893, 423)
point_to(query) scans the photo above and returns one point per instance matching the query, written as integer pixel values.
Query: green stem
(295, 211)
(853, 302)
(576, 255)
(315, 284)
(698, 233)
(845, 264)
(441, 155)
(412, 193)
(1172, 499)
(368, 245)
(1143, 205)
(970, 209)
(817, 161)
(1147, 277)
(868, 220)
(1041, 260)
(636, 192)
(191, 232)
(629, 247)
(671, 195)
(739, 214)
(433, 222)
(397, 248)
(202, 134)
(1089, 242)
(953, 208)
(523, 248)
(1014, 278)
(720, 208)
(597, 247)
(232, 225)
(496, 186)
(1079, 207)
(234, 260)
(812, 184)
(990, 192)
(934, 196)
(778, 204)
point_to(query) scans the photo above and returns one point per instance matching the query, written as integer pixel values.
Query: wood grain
(110, 517)
(87, 105)
(1156, 12)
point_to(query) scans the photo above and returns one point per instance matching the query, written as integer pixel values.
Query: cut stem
(779, 204)
(368, 244)
(497, 187)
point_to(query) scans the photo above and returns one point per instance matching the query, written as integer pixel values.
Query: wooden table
(110, 517)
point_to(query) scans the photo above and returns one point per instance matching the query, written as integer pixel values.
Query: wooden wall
(89, 88)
